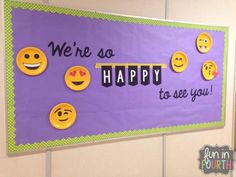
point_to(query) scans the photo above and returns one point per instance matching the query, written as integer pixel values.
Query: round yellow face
(31, 61)
(77, 78)
(209, 70)
(179, 61)
(204, 42)
(62, 116)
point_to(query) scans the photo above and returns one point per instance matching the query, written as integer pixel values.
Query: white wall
(216, 12)
(142, 157)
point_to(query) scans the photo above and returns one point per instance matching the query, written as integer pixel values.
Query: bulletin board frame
(14, 148)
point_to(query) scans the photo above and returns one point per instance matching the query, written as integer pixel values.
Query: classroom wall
(137, 157)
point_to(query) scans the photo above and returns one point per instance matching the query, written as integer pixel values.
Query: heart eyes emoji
(77, 78)
(72, 73)
(81, 73)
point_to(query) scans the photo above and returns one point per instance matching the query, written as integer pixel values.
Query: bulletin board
(77, 77)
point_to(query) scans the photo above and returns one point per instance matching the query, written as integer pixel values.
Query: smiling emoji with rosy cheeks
(62, 116)
(179, 61)
(204, 42)
(77, 78)
(31, 61)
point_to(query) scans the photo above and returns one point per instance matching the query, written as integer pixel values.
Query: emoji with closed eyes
(62, 116)
(179, 61)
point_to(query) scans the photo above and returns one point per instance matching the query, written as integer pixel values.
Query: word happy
(134, 74)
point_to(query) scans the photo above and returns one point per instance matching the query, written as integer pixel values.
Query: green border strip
(9, 76)
(13, 148)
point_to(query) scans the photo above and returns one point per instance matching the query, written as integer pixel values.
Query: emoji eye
(206, 67)
(59, 113)
(26, 56)
(180, 59)
(205, 40)
(36, 56)
(176, 58)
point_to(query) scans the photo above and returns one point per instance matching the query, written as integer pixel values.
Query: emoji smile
(178, 65)
(32, 66)
(63, 120)
(78, 82)
(203, 47)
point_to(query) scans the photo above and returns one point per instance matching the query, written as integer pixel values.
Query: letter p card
(77, 77)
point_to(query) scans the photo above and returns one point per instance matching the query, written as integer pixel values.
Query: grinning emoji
(31, 61)
(179, 61)
(62, 116)
(77, 78)
(204, 42)
(209, 70)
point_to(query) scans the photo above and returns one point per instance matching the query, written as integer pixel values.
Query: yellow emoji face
(179, 61)
(77, 78)
(31, 61)
(209, 70)
(62, 116)
(204, 42)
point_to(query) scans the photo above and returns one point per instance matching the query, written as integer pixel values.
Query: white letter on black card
(145, 76)
(106, 76)
(157, 75)
(133, 76)
(120, 76)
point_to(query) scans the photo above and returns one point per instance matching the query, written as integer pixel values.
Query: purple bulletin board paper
(114, 109)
